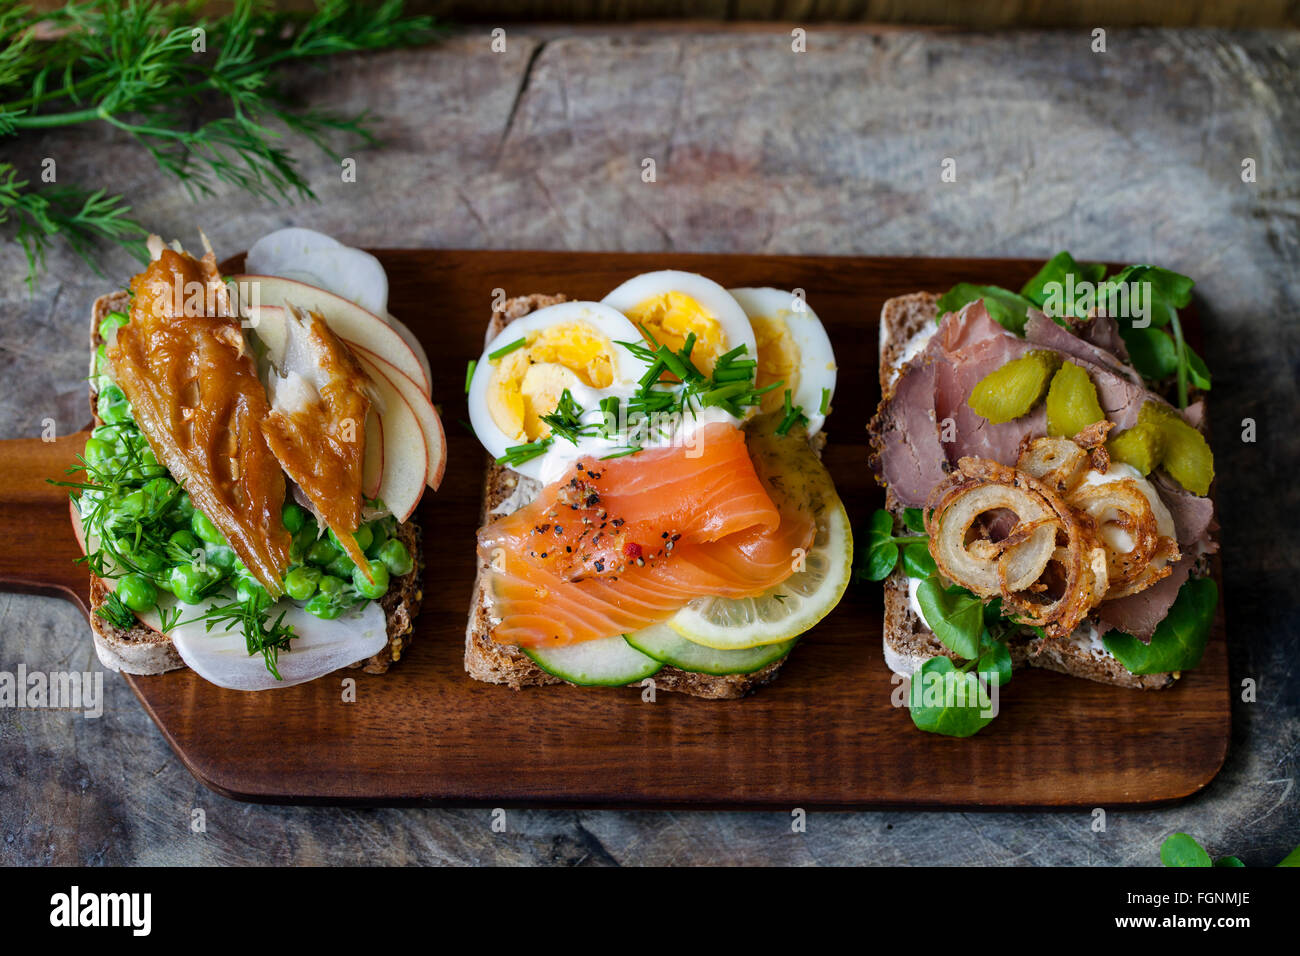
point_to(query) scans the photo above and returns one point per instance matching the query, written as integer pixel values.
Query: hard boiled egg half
(792, 348)
(670, 305)
(525, 370)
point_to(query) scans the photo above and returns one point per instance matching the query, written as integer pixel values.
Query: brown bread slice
(141, 650)
(906, 321)
(504, 491)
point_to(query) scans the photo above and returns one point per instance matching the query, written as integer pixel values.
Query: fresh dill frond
(147, 68)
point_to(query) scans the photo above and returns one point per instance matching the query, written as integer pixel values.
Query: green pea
(111, 323)
(133, 505)
(183, 510)
(109, 433)
(322, 552)
(222, 558)
(186, 540)
(331, 586)
(341, 567)
(396, 557)
(137, 592)
(250, 589)
(161, 493)
(112, 412)
(367, 589)
(323, 607)
(145, 559)
(294, 517)
(97, 451)
(190, 583)
(206, 530)
(363, 536)
(378, 537)
(300, 583)
(149, 466)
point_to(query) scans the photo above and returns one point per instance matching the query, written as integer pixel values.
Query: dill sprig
(147, 69)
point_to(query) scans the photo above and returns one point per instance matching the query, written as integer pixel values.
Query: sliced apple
(435, 438)
(346, 319)
(372, 464)
(406, 455)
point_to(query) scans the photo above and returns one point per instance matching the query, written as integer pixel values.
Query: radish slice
(221, 656)
(321, 647)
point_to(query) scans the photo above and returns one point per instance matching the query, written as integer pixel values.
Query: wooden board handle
(38, 551)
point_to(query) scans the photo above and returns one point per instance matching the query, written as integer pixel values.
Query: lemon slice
(785, 611)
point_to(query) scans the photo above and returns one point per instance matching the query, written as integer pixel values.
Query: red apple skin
(285, 289)
(437, 441)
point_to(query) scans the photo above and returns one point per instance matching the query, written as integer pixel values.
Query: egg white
(627, 369)
(817, 369)
(719, 303)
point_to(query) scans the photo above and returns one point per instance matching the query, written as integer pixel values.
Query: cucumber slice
(663, 643)
(608, 662)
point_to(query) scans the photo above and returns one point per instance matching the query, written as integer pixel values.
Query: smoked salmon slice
(645, 535)
(608, 514)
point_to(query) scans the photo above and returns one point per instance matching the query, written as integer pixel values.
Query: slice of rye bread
(142, 650)
(505, 491)
(906, 322)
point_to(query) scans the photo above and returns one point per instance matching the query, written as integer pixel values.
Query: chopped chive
(826, 401)
(621, 454)
(518, 454)
(506, 349)
(469, 373)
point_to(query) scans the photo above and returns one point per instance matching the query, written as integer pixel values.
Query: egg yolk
(671, 316)
(778, 359)
(528, 382)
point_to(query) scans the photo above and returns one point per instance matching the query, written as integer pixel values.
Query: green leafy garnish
(883, 546)
(1006, 308)
(566, 420)
(469, 373)
(954, 615)
(825, 406)
(793, 415)
(945, 699)
(133, 65)
(1179, 640)
(116, 613)
(1065, 289)
(1179, 849)
(516, 455)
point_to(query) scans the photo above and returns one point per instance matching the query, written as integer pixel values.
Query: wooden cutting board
(823, 735)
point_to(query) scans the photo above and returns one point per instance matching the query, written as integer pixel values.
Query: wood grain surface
(824, 735)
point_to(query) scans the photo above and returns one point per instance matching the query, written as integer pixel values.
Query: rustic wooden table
(1133, 154)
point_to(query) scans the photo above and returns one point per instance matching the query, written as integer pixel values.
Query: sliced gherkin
(1186, 456)
(1141, 446)
(1015, 388)
(1071, 402)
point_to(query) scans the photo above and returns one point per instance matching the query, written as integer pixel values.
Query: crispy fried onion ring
(1058, 463)
(1047, 530)
(1121, 505)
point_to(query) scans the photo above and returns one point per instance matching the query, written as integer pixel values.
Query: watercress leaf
(1292, 858)
(1179, 640)
(995, 664)
(914, 520)
(1153, 352)
(1056, 270)
(882, 551)
(1228, 861)
(956, 616)
(1179, 849)
(1197, 372)
(917, 562)
(1005, 307)
(945, 700)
